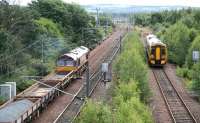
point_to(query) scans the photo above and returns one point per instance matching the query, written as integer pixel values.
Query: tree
(195, 46)
(156, 18)
(133, 57)
(71, 19)
(177, 38)
(95, 113)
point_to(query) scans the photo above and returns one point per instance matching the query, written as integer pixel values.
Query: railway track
(177, 108)
(59, 98)
(71, 112)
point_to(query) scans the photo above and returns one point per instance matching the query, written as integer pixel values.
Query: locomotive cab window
(60, 62)
(65, 62)
(69, 63)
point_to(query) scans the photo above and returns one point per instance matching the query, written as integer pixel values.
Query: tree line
(33, 36)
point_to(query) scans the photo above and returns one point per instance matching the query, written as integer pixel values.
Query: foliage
(32, 37)
(133, 57)
(95, 113)
(2, 98)
(183, 72)
(177, 38)
(72, 19)
(126, 105)
(196, 78)
(195, 46)
(48, 27)
(181, 37)
(132, 111)
(127, 90)
(132, 86)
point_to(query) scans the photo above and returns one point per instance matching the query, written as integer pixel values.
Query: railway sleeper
(175, 104)
(181, 114)
(184, 120)
(178, 109)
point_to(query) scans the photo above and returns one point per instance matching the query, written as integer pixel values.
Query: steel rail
(164, 97)
(193, 118)
(179, 96)
(93, 75)
(111, 59)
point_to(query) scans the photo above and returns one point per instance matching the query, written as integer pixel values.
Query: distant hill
(113, 8)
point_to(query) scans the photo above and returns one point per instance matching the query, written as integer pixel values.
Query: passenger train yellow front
(156, 51)
(72, 60)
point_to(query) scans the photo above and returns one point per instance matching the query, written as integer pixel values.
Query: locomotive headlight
(152, 56)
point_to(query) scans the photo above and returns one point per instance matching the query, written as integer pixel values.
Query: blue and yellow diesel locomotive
(73, 60)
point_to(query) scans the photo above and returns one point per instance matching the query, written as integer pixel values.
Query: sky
(193, 3)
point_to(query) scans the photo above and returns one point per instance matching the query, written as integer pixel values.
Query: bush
(183, 72)
(127, 90)
(177, 38)
(2, 100)
(128, 107)
(126, 104)
(130, 62)
(132, 111)
(95, 113)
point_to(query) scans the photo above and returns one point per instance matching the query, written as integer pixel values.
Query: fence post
(87, 79)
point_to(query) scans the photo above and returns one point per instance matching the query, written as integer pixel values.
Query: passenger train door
(158, 54)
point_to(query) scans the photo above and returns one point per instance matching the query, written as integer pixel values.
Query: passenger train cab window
(153, 50)
(163, 51)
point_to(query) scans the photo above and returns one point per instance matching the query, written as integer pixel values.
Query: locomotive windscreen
(65, 62)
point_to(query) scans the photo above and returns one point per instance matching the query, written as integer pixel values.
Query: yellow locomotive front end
(158, 55)
(156, 51)
(72, 61)
(65, 69)
(65, 64)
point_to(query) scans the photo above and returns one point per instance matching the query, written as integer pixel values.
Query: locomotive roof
(150, 36)
(77, 52)
(152, 40)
